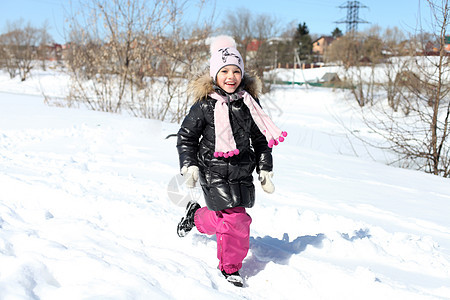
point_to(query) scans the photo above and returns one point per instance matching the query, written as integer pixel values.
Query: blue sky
(319, 15)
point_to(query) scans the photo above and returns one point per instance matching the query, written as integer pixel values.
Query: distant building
(54, 52)
(252, 48)
(321, 44)
(433, 48)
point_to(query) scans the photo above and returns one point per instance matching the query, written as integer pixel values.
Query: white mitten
(266, 182)
(191, 174)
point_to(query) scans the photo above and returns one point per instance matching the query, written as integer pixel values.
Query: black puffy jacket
(226, 182)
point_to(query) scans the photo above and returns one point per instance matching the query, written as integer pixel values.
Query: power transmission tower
(353, 19)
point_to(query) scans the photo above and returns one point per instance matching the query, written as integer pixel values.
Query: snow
(89, 204)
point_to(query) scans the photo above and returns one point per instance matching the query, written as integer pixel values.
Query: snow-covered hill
(88, 210)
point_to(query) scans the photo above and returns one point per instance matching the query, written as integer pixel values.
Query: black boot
(187, 222)
(235, 278)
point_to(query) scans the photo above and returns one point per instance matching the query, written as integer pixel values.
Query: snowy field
(87, 209)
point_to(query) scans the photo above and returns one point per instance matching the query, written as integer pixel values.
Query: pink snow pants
(232, 229)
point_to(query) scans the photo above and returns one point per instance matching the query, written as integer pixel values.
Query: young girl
(225, 136)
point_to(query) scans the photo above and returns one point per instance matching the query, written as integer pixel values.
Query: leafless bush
(134, 56)
(395, 65)
(418, 133)
(19, 48)
(359, 53)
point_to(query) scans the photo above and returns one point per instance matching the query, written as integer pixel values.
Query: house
(331, 78)
(252, 48)
(53, 52)
(253, 45)
(433, 48)
(321, 44)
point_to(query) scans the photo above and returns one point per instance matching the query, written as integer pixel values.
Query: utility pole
(353, 19)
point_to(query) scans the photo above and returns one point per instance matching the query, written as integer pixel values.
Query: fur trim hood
(203, 85)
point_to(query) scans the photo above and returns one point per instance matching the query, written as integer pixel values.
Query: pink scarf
(225, 144)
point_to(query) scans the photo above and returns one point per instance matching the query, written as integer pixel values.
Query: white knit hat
(224, 53)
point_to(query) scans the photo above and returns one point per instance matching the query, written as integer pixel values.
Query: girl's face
(229, 78)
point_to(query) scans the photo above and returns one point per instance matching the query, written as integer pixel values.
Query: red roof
(254, 45)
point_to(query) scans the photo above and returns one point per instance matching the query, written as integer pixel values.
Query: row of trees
(107, 25)
(386, 68)
(380, 65)
(134, 56)
(103, 22)
(137, 55)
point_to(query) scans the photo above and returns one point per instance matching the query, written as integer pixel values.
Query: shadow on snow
(267, 249)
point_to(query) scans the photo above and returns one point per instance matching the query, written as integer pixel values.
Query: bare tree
(394, 45)
(343, 51)
(133, 55)
(265, 29)
(419, 134)
(359, 53)
(437, 158)
(6, 62)
(44, 40)
(253, 35)
(240, 25)
(20, 44)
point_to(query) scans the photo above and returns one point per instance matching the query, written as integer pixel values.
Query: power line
(353, 19)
